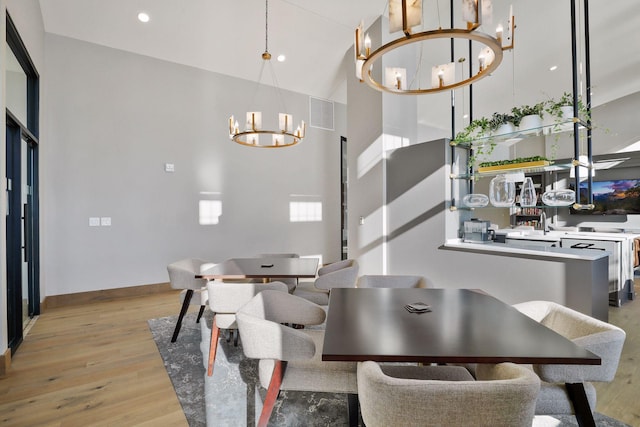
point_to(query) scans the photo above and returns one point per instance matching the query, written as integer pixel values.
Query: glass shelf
(520, 134)
(554, 167)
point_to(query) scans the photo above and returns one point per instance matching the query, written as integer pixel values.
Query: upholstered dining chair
(502, 395)
(290, 282)
(341, 274)
(391, 281)
(290, 359)
(182, 276)
(224, 301)
(601, 338)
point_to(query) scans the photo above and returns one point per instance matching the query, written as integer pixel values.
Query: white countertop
(511, 249)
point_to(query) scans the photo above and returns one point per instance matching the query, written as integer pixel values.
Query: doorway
(22, 236)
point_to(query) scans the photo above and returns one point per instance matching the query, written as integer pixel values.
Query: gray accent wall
(113, 119)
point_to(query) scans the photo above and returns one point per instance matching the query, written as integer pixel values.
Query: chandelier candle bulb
(286, 122)
(499, 34)
(231, 124)
(441, 77)
(481, 61)
(359, 42)
(367, 45)
(254, 120)
(399, 80)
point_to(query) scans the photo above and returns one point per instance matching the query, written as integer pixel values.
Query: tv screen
(614, 197)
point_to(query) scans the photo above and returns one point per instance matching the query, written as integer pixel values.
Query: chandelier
(284, 135)
(404, 15)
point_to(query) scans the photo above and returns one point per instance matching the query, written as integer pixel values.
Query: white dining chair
(182, 276)
(225, 299)
(290, 359)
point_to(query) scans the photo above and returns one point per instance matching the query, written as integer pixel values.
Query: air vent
(321, 113)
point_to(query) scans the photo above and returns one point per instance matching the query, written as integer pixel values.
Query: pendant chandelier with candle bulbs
(404, 15)
(283, 135)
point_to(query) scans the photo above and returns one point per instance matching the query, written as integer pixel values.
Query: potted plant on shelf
(502, 123)
(561, 112)
(529, 117)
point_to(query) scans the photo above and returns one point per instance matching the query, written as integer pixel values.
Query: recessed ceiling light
(143, 17)
(553, 68)
(281, 58)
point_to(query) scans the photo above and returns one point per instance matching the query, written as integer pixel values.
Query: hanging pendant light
(282, 135)
(403, 16)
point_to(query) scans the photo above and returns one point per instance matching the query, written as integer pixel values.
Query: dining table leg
(584, 415)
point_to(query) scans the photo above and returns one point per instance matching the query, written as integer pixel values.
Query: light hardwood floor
(97, 364)
(94, 364)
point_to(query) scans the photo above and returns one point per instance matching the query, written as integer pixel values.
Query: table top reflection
(262, 268)
(463, 326)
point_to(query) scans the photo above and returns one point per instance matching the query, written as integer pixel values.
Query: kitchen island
(575, 278)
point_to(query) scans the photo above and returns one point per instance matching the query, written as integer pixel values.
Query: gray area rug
(233, 396)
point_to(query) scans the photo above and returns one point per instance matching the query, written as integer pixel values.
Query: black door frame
(16, 131)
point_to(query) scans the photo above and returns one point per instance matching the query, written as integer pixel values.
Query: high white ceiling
(228, 37)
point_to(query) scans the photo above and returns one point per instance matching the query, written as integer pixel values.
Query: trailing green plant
(478, 128)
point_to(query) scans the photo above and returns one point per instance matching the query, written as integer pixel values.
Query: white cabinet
(620, 250)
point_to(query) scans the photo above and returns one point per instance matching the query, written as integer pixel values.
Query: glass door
(22, 249)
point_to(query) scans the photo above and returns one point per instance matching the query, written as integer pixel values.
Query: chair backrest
(335, 266)
(601, 338)
(263, 334)
(504, 395)
(344, 277)
(182, 273)
(391, 281)
(229, 297)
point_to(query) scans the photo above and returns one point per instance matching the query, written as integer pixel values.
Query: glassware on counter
(475, 200)
(502, 193)
(528, 196)
(562, 197)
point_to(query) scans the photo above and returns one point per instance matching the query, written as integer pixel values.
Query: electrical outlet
(105, 221)
(94, 221)
(169, 167)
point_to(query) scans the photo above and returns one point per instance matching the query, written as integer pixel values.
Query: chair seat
(314, 374)
(308, 291)
(553, 399)
(436, 373)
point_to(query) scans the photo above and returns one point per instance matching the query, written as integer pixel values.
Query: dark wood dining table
(463, 326)
(267, 268)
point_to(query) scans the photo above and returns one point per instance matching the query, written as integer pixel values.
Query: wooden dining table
(463, 326)
(266, 268)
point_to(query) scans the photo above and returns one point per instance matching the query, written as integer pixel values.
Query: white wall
(113, 119)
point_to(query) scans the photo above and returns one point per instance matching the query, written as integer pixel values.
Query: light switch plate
(105, 221)
(94, 221)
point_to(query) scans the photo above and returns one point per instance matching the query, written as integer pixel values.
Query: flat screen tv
(613, 197)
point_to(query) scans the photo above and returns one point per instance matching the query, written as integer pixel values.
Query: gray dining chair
(558, 381)
(182, 276)
(391, 281)
(290, 359)
(341, 274)
(502, 395)
(225, 299)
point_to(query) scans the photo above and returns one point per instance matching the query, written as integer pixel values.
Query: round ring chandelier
(284, 136)
(443, 76)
